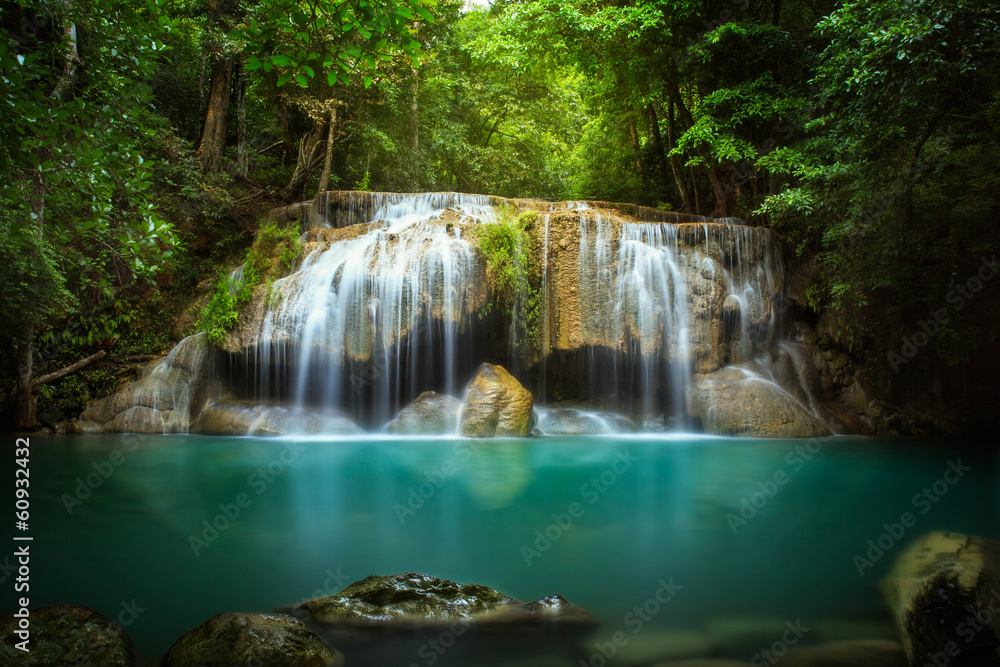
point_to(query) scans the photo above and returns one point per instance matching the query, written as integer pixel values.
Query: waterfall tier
(393, 297)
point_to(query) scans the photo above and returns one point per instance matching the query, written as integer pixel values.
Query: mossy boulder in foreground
(945, 593)
(229, 639)
(66, 634)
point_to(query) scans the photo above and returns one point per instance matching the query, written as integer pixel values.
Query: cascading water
(375, 315)
(391, 299)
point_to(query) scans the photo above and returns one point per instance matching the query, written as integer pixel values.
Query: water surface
(600, 520)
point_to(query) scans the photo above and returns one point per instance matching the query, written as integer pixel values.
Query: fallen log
(68, 370)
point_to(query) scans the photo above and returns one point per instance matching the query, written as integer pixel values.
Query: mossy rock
(228, 639)
(66, 634)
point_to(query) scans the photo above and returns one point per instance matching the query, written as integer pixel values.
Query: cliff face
(692, 290)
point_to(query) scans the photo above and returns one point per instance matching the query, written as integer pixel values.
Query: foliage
(273, 253)
(513, 274)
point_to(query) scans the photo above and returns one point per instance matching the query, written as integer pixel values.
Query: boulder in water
(569, 421)
(407, 600)
(67, 634)
(262, 419)
(731, 402)
(275, 640)
(496, 405)
(944, 591)
(430, 413)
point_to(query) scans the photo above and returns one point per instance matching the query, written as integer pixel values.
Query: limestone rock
(936, 587)
(496, 405)
(229, 639)
(261, 419)
(163, 400)
(731, 402)
(430, 413)
(65, 634)
(568, 421)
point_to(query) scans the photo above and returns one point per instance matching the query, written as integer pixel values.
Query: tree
(77, 219)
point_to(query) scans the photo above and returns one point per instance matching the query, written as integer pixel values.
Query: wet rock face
(162, 401)
(730, 403)
(430, 413)
(66, 634)
(229, 639)
(944, 591)
(496, 405)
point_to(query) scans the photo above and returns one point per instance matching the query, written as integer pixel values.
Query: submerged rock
(731, 402)
(263, 419)
(944, 591)
(430, 413)
(852, 653)
(229, 639)
(412, 599)
(496, 404)
(66, 634)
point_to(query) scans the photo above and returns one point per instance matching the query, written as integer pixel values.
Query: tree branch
(68, 370)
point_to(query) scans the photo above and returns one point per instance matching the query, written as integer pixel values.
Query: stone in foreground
(412, 599)
(945, 593)
(66, 634)
(229, 639)
(496, 405)
(430, 413)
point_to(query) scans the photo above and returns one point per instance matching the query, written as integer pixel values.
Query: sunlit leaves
(338, 38)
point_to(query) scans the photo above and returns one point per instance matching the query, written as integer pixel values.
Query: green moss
(272, 254)
(512, 271)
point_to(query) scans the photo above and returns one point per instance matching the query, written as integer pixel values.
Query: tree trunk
(414, 111)
(675, 165)
(324, 179)
(71, 57)
(285, 120)
(310, 157)
(213, 136)
(721, 193)
(654, 124)
(24, 415)
(242, 151)
(633, 133)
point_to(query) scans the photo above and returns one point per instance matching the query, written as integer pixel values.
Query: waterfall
(366, 319)
(390, 299)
